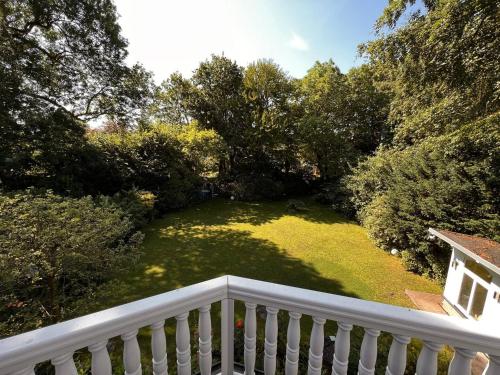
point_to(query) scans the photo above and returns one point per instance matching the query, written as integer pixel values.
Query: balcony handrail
(444, 329)
(49, 342)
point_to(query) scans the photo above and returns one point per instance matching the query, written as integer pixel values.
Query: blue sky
(167, 35)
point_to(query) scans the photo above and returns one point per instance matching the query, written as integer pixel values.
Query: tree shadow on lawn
(223, 212)
(318, 214)
(183, 255)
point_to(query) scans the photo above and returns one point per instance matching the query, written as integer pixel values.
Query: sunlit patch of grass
(155, 271)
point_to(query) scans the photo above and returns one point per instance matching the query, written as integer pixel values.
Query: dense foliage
(280, 133)
(442, 66)
(442, 169)
(54, 251)
(151, 160)
(67, 55)
(449, 182)
(343, 117)
(61, 62)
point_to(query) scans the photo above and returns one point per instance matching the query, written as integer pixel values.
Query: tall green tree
(171, 101)
(368, 107)
(442, 67)
(218, 103)
(323, 94)
(61, 62)
(68, 55)
(269, 92)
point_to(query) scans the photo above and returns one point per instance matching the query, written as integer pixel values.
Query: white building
(473, 283)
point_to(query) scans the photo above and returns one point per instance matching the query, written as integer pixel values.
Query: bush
(151, 160)
(55, 250)
(449, 182)
(203, 147)
(137, 205)
(337, 196)
(252, 188)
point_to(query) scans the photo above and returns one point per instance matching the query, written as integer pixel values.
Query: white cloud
(297, 42)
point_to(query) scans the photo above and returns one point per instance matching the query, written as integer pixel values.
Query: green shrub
(337, 196)
(55, 250)
(137, 205)
(151, 160)
(177, 193)
(203, 147)
(252, 188)
(449, 182)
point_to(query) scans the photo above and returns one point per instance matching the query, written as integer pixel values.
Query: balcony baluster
(293, 344)
(461, 362)
(101, 364)
(159, 348)
(397, 355)
(65, 365)
(250, 338)
(316, 347)
(342, 348)
(131, 354)
(271, 341)
(368, 355)
(427, 360)
(182, 341)
(205, 340)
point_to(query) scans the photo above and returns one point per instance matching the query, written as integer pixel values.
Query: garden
(315, 249)
(114, 187)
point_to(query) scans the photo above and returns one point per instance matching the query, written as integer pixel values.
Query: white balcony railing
(57, 343)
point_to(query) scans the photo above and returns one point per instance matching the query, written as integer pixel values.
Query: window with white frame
(474, 289)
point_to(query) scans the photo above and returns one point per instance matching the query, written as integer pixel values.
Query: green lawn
(317, 249)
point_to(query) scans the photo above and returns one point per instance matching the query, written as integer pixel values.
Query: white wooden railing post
(427, 360)
(101, 364)
(271, 341)
(293, 344)
(64, 364)
(227, 336)
(159, 348)
(461, 362)
(396, 363)
(205, 340)
(342, 348)
(131, 353)
(250, 338)
(316, 345)
(493, 367)
(368, 353)
(183, 345)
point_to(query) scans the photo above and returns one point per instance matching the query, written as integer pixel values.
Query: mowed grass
(317, 249)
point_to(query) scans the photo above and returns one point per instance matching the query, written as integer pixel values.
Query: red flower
(240, 324)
